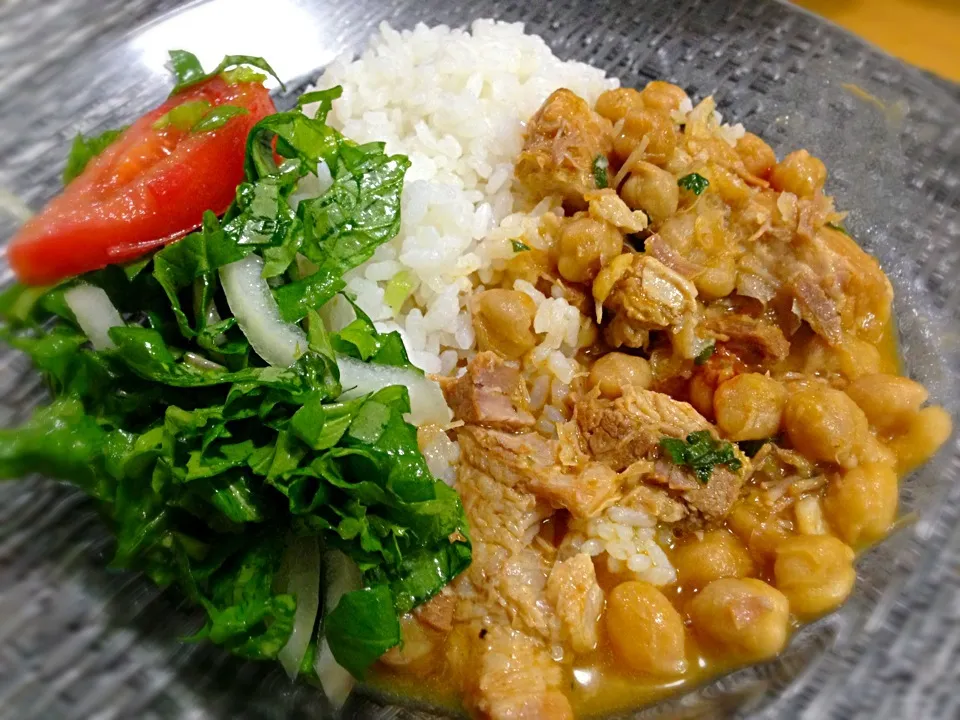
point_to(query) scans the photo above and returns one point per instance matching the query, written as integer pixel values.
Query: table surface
(923, 32)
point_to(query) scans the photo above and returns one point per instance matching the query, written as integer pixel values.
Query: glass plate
(79, 641)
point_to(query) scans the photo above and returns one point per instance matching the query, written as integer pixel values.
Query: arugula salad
(239, 451)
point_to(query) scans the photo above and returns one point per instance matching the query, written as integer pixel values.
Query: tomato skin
(147, 189)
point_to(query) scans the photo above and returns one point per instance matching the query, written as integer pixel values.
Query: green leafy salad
(237, 448)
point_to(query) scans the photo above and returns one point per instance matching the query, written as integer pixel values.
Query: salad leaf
(362, 627)
(360, 339)
(85, 149)
(205, 462)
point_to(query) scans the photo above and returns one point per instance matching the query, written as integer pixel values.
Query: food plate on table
(496, 380)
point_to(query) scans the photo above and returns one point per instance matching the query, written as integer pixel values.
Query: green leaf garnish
(218, 117)
(519, 246)
(242, 74)
(188, 71)
(184, 116)
(701, 453)
(324, 98)
(839, 228)
(86, 149)
(600, 165)
(694, 182)
(705, 354)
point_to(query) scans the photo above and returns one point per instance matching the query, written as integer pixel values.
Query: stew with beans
(733, 436)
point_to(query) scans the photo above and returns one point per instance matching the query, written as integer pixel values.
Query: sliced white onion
(95, 314)
(426, 399)
(303, 561)
(279, 343)
(341, 575)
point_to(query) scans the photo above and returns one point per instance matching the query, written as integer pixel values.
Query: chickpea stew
(733, 433)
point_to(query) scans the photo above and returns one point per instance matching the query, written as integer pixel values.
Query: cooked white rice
(627, 539)
(456, 103)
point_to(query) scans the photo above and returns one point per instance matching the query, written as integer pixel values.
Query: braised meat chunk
(644, 295)
(564, 140)
(630, 428)
(530, 461)
(490, 393)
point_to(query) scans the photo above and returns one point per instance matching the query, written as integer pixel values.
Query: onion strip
(95, 314)
(341, 575)
(426, 399)
(252, 303)
(303, 561)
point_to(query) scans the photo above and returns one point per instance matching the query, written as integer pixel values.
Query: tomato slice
(147, 189)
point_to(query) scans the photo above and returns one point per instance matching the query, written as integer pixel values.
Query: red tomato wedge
(147, 189)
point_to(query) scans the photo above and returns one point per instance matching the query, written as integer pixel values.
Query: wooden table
(923, 32)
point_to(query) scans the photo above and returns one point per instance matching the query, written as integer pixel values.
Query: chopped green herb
(701, 453)
(184, 116)
(839, 228)
(694, 182)
(600, 165)
(218, 117)
(519, 246)
(86, 149)
(705, 354)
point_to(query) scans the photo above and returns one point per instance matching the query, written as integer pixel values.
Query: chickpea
(718, 555)
(529, 265)
(799, 173)
(924, 434)
(756, 155)
(759, 530)
(749, 406)
(652, 190)
(718, 279)
(701, 395)
(679, 232)
(852, 359)
(815, 572)
(888, 401)
(616, 370)
(663, 96)
(645, 630)
(861, 504)
(585, 246)
(741, 617)
(734, 191)
(503, 322)
(657, 127)
(615, 104)
(825, 424)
